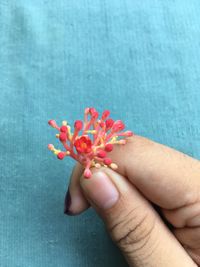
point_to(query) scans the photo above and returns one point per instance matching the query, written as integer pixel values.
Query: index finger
(165, 176)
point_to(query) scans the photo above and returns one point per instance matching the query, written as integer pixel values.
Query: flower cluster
(91, 140)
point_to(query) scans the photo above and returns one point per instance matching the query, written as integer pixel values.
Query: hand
(149, 175)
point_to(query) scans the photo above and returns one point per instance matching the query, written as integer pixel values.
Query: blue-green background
(140, 59)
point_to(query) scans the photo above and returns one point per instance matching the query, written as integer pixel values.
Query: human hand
(149, 174)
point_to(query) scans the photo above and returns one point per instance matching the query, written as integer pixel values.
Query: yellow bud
(113, 166)
(64, 123)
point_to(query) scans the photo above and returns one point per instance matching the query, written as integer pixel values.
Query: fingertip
(100, 190)
(75, 202)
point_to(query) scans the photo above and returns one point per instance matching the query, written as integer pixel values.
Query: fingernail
(100, 190)
(67, 204)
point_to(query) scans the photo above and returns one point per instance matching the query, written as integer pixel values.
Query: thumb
(132, 222)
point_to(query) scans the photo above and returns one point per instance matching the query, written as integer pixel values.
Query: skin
(152, 211)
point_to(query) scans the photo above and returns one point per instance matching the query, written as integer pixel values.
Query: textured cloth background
(140, 59)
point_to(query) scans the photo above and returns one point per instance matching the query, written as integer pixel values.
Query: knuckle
(132, 232)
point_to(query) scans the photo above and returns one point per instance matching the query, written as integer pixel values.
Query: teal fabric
(140, 59)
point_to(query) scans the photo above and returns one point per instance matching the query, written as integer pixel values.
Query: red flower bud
(92, 110)
(118, 126)
(52, 123)
(64, 129)
(129, 133)
(107, 161)
(105, 114)
(61, 155)
(63, 137)
(109, 123)
(108, 147)
(102, 124)
(87, 110)
(101, 154)
(87, 173)
(94, 113)
(78, 125)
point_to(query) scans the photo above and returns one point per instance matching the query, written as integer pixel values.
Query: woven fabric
(140, 59)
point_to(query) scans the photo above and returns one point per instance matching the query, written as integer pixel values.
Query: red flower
(92, 139)
(83, 144)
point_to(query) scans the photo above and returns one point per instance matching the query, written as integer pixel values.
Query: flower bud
(101, 154)
(105, 114)
(92, 110)
(107, 161)
(63, 129)
(78, 125)
(109, 124)
(108, 147)
(94, 113)
(87, 173)
(61, 155)
(50, 147)
(87, 110)
(128, 133)
(63, 137)
(118, 126)
(102, 124)
(52, 123)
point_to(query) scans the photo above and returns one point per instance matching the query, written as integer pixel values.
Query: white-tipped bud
(97, 165)
(64, 123)
(113, 166)
(51, 147)
(122, 142)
